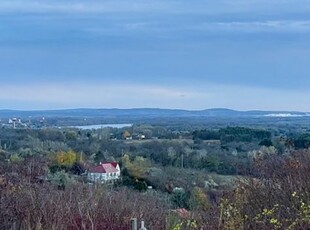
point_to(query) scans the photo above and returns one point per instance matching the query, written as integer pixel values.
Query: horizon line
(149, 108)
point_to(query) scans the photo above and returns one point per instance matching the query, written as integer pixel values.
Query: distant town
(19, 123)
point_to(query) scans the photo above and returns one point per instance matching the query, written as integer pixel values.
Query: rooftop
(109, 167)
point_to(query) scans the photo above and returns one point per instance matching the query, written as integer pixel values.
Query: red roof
(104, 168)
(112, 163)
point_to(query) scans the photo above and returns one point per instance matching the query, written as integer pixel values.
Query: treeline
(226, 151)
(231, 134)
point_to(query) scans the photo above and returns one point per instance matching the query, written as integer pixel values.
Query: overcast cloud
(175, 54)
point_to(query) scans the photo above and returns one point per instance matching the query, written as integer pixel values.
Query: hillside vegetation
(231, 177)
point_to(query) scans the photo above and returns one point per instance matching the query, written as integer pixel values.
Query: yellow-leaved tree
(66, 159)
(136, 168)
(199, 199)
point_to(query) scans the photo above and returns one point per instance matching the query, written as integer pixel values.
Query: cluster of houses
(18, 123)
(14, 123)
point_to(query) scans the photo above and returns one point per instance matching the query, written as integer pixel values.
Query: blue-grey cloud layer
(254, 44)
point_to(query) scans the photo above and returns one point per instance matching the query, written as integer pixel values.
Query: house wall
(118, 168)
(97, 177)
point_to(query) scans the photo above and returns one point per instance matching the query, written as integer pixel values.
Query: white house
(104, 172)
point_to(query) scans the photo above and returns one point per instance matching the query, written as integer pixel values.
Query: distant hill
(148, 113)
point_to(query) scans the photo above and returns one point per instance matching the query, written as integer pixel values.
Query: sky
(198, 54)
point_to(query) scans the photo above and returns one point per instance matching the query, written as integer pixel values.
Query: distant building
(127, 135)
(16, 123)
(104, 172)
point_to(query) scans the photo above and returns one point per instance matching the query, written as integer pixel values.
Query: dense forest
(172, 177)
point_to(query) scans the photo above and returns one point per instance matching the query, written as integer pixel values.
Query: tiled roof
(104, 168)
(112, 163)
(97, 169)
(109, 168)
